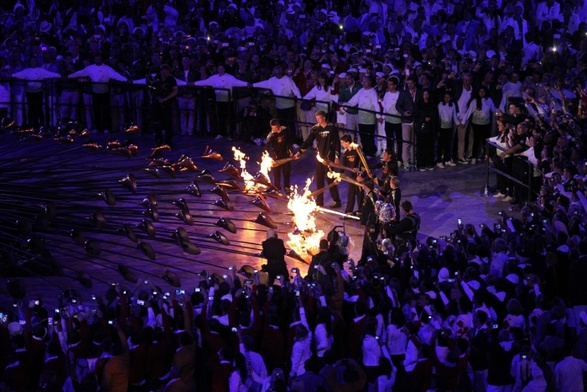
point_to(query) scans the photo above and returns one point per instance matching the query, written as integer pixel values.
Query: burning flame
(334, 175)
(252, 184)
(241, 158)
(305, 240)
(266, 164)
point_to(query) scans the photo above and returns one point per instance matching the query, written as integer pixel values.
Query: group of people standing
(340, 158)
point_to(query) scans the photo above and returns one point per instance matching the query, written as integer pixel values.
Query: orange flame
(334, 175)
(266, 164)
(305, 240)
(241, 158)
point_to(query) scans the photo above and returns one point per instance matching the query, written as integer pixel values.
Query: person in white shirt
(223, 83)
(35, 75)
(395, 339)
(323, 338)
(518, 24)
(322, 94)
(301, 350)
(371, 349)
(100, 74)
(157, 9)
(186, 97)
(254, 359)
(237, 380)
(369, 110)
(393, 119)
(286, 92)
(447, 116)
(480, 112)
(548, 10)
(463, 96)
(512, 88)
(568, 373)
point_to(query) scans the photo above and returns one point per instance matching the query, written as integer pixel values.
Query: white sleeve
(470, 110)
(296, 358)
(294, 89)
(20, 74)
(205, 82)
(151, 320)
(46, 74)
(321, 338)
(79, 74)
(115, 75)
(234, 381)
(264, 84)
(354, 99)
(311, 94)
(411, 355)
(238, 83)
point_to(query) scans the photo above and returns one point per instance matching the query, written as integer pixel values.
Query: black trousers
(36, 117)
(425, 149)
(521, 170)
(393, 132)
(480, 134)
(354, 191)
(321, 176)
(444, 144)
(503, 184)
(163, 119)
(101, 102)
(275, 268)
(226, 119)
(282, 170)
(367, 132)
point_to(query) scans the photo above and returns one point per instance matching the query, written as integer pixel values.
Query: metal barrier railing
(217, 110)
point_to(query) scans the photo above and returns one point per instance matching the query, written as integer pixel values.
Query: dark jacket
(327, 139)
(406, 103)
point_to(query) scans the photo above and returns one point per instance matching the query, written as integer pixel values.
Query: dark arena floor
(74, 210)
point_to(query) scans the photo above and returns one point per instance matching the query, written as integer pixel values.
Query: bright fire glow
(334, 175)
(305, 240)
(266, 164)
(242, 160)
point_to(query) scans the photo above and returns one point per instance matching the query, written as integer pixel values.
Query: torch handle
(322, 190)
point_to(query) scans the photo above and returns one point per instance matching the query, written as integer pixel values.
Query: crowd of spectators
(490, 308)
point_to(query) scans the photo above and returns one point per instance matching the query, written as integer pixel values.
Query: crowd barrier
(217, 110)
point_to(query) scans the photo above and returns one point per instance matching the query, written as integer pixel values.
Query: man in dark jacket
(274, 252)
(406, 106)
(328, 146)
(279, 147)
